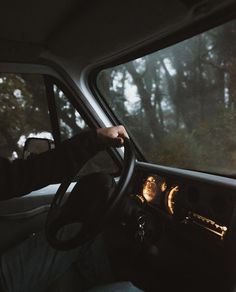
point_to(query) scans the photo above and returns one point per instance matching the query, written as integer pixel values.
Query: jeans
(33, 265)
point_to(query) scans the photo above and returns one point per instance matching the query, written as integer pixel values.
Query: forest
(24, 112)
(179, 103)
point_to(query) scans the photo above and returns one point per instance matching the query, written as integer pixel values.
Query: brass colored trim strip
(207, 224)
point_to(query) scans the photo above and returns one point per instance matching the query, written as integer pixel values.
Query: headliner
(86, 31)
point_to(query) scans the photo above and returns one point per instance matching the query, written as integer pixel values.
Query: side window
(23, 112)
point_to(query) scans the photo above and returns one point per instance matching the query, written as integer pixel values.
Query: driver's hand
(112, 136)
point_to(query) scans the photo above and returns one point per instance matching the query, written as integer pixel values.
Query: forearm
(23, 176)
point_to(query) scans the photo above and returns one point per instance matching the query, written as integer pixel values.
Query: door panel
(21, 217)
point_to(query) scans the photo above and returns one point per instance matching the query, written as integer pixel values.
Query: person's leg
(91, 269)
(34, 265)
(94, 263)
(88, 199)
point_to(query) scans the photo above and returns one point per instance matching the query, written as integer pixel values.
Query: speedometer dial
(149, 189)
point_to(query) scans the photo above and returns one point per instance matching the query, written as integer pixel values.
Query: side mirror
(36, 146)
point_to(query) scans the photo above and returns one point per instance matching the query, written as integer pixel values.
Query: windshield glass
(179, 104)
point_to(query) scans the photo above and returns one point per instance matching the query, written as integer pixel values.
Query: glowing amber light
(149, 189)
(163, 186)
(207, 224)
(171, 199)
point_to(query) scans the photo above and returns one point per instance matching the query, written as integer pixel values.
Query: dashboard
(198, 205)
(184, 233)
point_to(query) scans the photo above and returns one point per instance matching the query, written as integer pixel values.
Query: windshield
(179, 104)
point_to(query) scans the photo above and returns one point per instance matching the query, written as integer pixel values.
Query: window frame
(175, 36)
(58, 76)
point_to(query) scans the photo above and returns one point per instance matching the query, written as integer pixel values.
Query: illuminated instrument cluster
(156, 191)
(204, 208)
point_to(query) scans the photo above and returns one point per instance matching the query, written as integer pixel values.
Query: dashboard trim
(216, 180)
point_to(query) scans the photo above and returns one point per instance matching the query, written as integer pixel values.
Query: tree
(23, 110)
(179, 103)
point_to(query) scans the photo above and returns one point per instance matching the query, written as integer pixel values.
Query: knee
(98, 182)
(119, 286)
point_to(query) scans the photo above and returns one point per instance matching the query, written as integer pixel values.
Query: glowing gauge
(170, 202)
(149, 189)
(163, 186)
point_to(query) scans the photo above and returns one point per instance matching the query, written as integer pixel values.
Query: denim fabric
(34, 265)
(116, 287)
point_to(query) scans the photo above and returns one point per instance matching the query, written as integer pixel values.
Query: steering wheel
(56, 221)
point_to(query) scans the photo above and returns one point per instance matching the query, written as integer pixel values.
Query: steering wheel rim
(54, 223)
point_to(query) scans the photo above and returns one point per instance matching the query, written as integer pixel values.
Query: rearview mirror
(36, 146)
